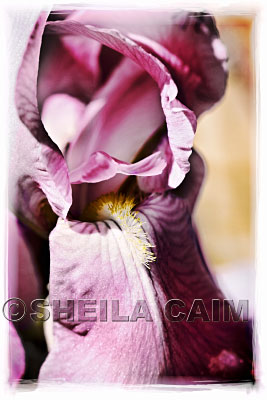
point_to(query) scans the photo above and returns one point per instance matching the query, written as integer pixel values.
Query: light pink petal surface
(188, 189)
(95, 262)
(61, 115)
(48, 171)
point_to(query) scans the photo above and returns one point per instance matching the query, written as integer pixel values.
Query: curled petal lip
(100, 166)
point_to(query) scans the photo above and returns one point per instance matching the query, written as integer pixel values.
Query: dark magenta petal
(69, 66)
(192, 50)
(44, 166)
(194, 348)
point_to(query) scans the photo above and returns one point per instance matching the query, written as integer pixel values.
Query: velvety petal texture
(180, 272)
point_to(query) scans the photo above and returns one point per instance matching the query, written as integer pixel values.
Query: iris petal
(50, 172)
(95, 261)
(129, 112)
(16, 355)
(180, 120)
(187, 43)
(100, 167)
(61, 114)
(181, 272)
(28, 271)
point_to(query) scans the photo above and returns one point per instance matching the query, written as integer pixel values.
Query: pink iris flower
(104, 184)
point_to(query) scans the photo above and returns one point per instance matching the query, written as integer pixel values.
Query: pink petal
(16, 356)
(101, 167)
(188, 191)
(86, 52)
(129, 112)
(181, 121)
(97, 263)
(48, 170)
(187, 43)
(159, 183)
(22, 278)
(61, 115)
(196, 57)
(28, 270)
(61, 61)
(180, 272)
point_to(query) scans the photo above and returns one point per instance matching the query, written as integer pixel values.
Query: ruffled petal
(187, 43)
(101, 167)
(180, 120)
(190, 186)
(159, 183)
(97, 261)
(48, 170)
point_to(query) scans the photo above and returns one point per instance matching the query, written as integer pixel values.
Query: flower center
(118, 208)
